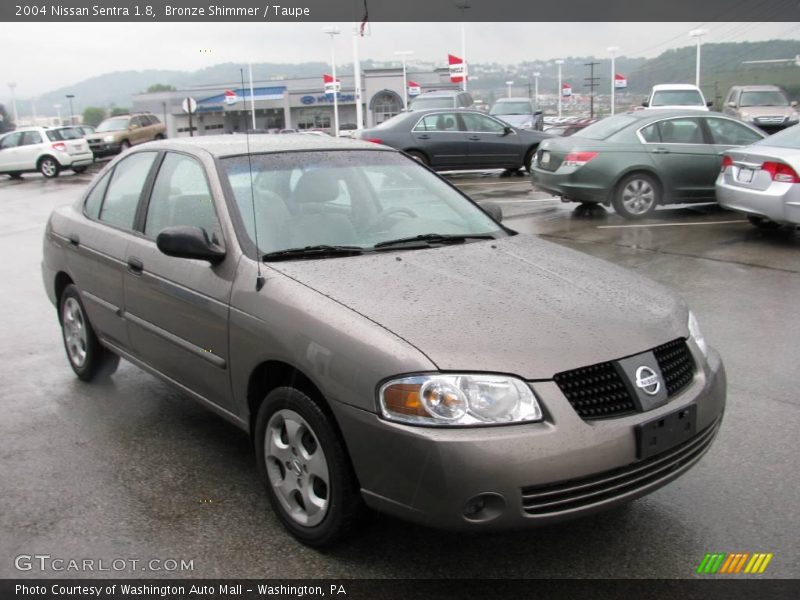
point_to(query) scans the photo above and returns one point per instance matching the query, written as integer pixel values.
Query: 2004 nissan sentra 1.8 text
(385, 341)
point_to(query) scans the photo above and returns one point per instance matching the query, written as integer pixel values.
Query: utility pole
(591, 83)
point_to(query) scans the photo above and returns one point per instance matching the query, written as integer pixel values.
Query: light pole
(71, 112)
(333, 32)
(11, 87)
(559, 62)
(403, 54)
(58, 110)
(698, 34)
(463, 5)
(509, 84)
(536, 76)
(613, 51)
(357, 80)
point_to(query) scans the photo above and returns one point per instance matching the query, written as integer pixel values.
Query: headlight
(459, 399)
(794, 117)
(108, 138)
(697, 336)
(747, 116)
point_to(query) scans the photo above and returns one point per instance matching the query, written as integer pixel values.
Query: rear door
(9, 151)
(686, 161)
(489, 144)
(30, 149)
(727, 134)
(177, 308)
(441, 138)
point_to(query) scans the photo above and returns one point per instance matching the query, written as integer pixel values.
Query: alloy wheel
(75, 336)
(638, 196)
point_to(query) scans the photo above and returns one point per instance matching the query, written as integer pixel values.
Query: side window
(29, 138)
(438, 122)
(681, 131)
(153, 120)
(731, 96)
(731, 133)
(125, 188)
(11, 140)
(650, 134)
(95, 197)
(481, 123)
(137, 121)
(181, 197)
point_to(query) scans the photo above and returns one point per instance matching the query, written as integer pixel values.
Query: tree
(119, 110)
(160, 87)
(6, 123)
(93, 115)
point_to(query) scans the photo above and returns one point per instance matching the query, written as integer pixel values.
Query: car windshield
(437, 102)
(112, 125)
(511, 108)
(605, 128)
(764, 98)
(353, 198)
(788, 138)
(68, 133)
(677, 98)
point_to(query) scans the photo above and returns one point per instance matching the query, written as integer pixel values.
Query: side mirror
(731, 104)
(537, 112)
(188, 242)
(646, 103)
(793, 104)
(495, 211)
(709, 103)
(508, 130)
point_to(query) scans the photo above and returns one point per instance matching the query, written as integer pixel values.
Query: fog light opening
(484, 507)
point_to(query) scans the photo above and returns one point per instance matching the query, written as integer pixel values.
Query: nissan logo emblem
(647, 380)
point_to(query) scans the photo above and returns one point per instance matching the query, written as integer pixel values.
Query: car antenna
(259, 278)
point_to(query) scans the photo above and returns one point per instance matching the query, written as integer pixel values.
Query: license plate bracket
(545, 159)
(665, 432)
(745, 175)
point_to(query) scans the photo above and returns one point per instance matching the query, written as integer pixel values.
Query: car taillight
(780, 172)
(727, 161)
(60, 146)
(374, 140)
(578, 159)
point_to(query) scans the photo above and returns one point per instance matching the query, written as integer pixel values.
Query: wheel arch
(62, 280)
(45, 156)
(647, 170)
(419, 151)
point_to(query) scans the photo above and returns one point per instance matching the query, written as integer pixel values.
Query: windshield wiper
(320, 251)
(434, 238)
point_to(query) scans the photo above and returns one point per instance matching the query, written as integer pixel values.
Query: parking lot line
(670, 224)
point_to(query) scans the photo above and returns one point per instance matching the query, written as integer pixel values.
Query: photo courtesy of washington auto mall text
(387, 300)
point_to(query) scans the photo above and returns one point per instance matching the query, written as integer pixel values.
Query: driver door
(490, 144)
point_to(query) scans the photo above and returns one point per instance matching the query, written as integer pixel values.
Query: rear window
(677, 98)
(605, 128)
(788, 138)
(512, 108)
(438, 102)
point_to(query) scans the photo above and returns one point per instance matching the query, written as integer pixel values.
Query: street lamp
(463, 6)
(559, 62)
(71, 111)
(536, 76)
(613, 51)
(698, 34)
(334, 31)
(11, 87)
(403, 54)
(509, 84)
(58, 110)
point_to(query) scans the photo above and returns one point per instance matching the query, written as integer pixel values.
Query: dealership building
(287, 103)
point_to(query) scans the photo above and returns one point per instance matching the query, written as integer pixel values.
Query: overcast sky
(40, 57)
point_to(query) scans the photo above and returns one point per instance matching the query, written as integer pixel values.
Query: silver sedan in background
(762, 181)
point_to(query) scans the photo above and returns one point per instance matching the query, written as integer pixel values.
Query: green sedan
(639, 160)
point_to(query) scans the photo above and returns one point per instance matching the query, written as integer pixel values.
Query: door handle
(135, 265)
(74, 240)
(475, 138)
(661, 151)
(424, 136)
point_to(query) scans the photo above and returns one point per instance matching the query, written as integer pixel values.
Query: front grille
(770, 120)
(599, 392)
(677, 365)
(551, 499)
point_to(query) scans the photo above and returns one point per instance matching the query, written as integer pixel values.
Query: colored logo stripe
(732, 563)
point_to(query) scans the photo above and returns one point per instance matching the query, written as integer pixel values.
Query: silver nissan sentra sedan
(385, 341)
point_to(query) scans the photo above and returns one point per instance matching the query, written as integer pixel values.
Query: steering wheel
(382, 216)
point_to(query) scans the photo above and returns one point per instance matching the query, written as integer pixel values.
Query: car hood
(768, 111)
(516, 305)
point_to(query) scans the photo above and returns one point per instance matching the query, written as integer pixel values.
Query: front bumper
(105, 148)
(76, 160)
(429, 475)
(570, 184)
(780, 202)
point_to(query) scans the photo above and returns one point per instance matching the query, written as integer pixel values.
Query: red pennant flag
(458, 69)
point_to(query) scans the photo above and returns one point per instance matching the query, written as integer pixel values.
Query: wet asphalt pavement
(131, 469)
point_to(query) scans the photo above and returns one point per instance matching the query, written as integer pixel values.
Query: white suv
(676, 96)
(45, 150)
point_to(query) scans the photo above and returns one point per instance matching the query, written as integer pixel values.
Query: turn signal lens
(578, 159)
(374, 140)
(780, 172)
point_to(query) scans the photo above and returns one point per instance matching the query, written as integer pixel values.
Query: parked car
(518, 112)
(639, 160)
(320, 294)
(347, 130)
(117, 134)
(676, 96)
(441, 99)
(457, 139)
(48, 151)
(568, 129)
(765, 106)
(762, 181)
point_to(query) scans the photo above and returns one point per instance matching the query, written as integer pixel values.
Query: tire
(124, 145)
(637, 196)
(529, 159)
(78, 170)
(15, 175)
(87, 357)
(419, 157)
(49, 167)
(303, 463)
(763, 223)
(159, 136)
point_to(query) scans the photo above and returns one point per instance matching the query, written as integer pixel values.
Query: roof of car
(674, 86)
(439, 93)
(513, 99)
(232, 145)
(653, 113)
(759, 88)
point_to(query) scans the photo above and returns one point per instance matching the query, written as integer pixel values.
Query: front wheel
(78, 170)
(763, 223)
(87, 357)
(49, 167)
(15, 175)
(636, 196)
(529, 159)
(306, 469)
